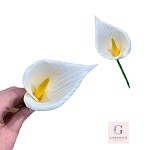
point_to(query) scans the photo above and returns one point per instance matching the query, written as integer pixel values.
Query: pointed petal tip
(97, 20)
(91, 67)
(95, 17)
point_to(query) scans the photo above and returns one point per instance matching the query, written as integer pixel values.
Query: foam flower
(49, 84)
(112, 43)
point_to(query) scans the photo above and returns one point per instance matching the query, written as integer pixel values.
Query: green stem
(123, 73)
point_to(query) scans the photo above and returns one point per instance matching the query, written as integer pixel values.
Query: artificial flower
(49, 83)
(112, 43)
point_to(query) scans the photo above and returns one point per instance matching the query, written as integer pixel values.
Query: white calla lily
(50, 83)
(112, 43)
(107, 35)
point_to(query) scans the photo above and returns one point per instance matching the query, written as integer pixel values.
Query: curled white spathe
(65, 78)
(103, 35)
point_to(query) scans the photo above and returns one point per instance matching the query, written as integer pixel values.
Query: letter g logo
(118, 129)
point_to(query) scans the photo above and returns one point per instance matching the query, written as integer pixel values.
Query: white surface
(64, 30)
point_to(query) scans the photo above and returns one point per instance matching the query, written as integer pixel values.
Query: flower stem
(123, 73)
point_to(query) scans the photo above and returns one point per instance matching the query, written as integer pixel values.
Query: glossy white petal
(103, 35)
(64, 80)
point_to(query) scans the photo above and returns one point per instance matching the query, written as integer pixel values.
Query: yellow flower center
(115, 50)
(39, 91)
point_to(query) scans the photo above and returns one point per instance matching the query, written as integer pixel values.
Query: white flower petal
(104, 33)
(64, 80)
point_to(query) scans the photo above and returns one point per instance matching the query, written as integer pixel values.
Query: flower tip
(95, 66)
(91, 67)
(95, 17)
(96, 20)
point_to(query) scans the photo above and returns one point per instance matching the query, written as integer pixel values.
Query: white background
(65, 30)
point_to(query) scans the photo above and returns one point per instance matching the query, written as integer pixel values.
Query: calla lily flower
(112, 42)
(49, 84)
